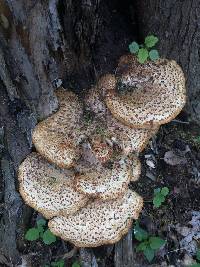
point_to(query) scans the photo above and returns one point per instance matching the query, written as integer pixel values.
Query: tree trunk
(176, 23)
(46, 43)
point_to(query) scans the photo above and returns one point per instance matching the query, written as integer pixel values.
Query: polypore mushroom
(155, 92)
(104, 181)
(127, 138)
(47, 188)
(100, 222)
(57, 138)
(101, 150)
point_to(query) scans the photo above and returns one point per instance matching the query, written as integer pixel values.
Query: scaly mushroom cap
(104, 181)
(102, 151)
(127, 138)
(99, 223)
(154, 92)
(47, 188)
(57, 138)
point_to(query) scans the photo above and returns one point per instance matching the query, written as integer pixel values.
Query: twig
(67, 255)
(183, 122)
(70, 254)
(175, 250)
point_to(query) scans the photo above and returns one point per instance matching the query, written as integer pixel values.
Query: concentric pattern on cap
(57, 138)
(47, 188)
(127, 138)
(157, 92)
(99, 223)
(104, 181)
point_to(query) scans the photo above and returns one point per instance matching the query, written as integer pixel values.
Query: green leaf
(142, 246)
(41, 230)
(150, 41)
(59, 263)
(32, 234)
(48, 237)
(198, 254)
(153, 54)
(149, 253)
(41, 222)
(76, 264)
(197, 139)
(158, 199)
(195, 265)
(134, 47)
(165, 191)
(156, 242)
(139, 233)
(142, 55)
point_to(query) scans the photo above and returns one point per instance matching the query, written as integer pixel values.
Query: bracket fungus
(57, 138)
(47, 188)
(79, 180)
(99, 222)
(155, 92)
(127, 138)
(105, 181)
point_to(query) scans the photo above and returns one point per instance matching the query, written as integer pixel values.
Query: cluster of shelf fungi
(87, 151)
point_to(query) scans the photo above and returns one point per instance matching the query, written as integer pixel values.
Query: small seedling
(145, 51)
(40, 232)
(58, 263)
(148, 244)
(197, 264)
(197, 139)
(198, 255)
(160, 196)
(76, 264)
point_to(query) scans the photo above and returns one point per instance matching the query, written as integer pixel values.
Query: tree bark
(46, 43)
(176, 23)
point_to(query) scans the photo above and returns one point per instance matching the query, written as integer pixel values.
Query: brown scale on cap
(47, 188)
(57, 138)
(99, 223)
(104, 181)
(102, 151)
(157, 94)
(127, 138)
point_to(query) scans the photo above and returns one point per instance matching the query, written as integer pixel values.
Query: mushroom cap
(47, 188)
(127, 138)
(57, 138)
(100, 222)
(157, 93)
(104, 181)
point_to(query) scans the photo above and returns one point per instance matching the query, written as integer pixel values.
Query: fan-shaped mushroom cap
(127, 138)
(47, 188)
(57, 138)
(99, 223)
(104, 181)
(157, 92)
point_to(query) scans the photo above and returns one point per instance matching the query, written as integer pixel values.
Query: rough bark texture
(44, 43)
(176, 23)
